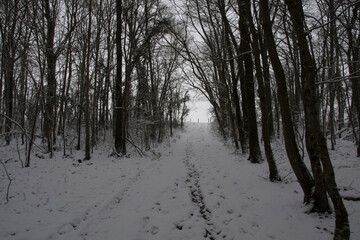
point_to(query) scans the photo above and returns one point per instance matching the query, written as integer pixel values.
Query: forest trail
(192, 187)
(193, 191)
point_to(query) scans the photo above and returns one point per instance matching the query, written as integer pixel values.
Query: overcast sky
(199, 110)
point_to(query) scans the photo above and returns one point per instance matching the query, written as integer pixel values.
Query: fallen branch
(10, 180)
(136, 147)
(349, 198)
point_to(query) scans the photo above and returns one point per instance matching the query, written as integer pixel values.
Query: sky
(199, 107)
(199, 111)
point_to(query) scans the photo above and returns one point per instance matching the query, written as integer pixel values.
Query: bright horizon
(199, 111)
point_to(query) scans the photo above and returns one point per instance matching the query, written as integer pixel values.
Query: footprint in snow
(227, 221)
(230, 211)
(154, 230)
(146, 219)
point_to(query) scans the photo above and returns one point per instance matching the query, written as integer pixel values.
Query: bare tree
(297, 164)
(315, 140)
(11, 24)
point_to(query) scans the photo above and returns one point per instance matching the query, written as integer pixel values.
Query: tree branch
(21, 128)
(10, 181)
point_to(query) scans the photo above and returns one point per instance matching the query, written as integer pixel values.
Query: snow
(191, 187)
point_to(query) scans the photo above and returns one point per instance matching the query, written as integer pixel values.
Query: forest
(79, 73)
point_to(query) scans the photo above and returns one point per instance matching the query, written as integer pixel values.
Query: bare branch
(21, 128)
(10, 181)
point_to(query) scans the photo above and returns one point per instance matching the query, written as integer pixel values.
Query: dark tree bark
(266, 132)
(297, 164)
(254, 147)
(120, 141)
(9, 31)
(50, 55)
(267, 85)
(87, 87)
(356, 92)
(332, 71)
(353, 56)
(97, 74)
(234, 78)
(315, 140)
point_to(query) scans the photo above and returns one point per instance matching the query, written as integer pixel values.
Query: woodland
(76, 73)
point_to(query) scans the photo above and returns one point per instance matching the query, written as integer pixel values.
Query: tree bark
(267, 84)
(9, 48)
(120, 141)
(87, 88)
(266, 131)
(50, 55)
(353, 58)
(315, 140)
(234, 78)
(297, 164)
(245, 48)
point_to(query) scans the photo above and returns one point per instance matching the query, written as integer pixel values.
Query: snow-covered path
(192, 188)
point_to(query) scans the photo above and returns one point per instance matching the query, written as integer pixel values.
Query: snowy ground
(191, 187)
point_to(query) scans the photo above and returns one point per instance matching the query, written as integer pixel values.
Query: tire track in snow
(197, 197)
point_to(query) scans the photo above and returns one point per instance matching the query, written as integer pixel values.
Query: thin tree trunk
(9, 91)
(332, 71)
(119, 105)
(267, 84)
(87, 89)
(234, 79)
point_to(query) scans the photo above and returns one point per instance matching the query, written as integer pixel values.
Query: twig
(335, 18)
(10, 180)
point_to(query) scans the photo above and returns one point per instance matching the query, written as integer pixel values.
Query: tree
(249, 91)
(315, 140)
(120, 138)
(10, 29)
(46, 16)
(265, 114)
(297, 164)
(351, 20)
(87, 87)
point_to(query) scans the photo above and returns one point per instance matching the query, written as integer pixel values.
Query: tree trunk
(254, 147)
(87, 89)
(118, 106)
(353, 57)
(9, 91)
(332, 71)
(268, 94)
(95, 107)
(297, 164)
(51, 75)
(234, 78)
(274, 175)
(315, 140)
(10, 32)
